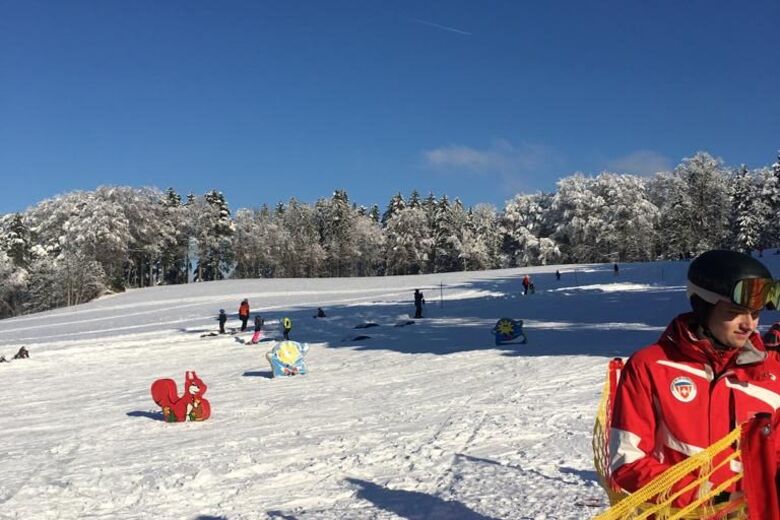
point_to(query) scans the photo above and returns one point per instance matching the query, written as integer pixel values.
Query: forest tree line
(74, 247)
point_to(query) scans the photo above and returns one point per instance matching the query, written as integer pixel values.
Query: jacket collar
(680, 335)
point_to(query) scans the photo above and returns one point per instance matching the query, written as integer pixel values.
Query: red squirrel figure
(189, 407)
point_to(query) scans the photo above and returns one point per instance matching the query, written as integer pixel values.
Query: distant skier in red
(526, 284)
(243, 313)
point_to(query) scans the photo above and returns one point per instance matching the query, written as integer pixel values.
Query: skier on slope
(527, 284)
(287, 327)
(258, 328)
(706, 374)
(222, 318)
(243, 313)
(419, 301)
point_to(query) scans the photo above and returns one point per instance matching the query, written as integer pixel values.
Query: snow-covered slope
(428, 421)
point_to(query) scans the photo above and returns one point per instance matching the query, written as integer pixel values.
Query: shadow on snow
(413, 505)
(594, 318)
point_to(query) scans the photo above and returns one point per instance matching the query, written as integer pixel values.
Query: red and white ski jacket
(680, 395)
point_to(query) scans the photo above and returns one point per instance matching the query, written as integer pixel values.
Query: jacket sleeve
(633, 433)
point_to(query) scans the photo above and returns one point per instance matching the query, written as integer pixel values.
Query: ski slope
(423, 421)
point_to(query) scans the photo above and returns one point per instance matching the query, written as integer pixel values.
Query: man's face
(732, 324)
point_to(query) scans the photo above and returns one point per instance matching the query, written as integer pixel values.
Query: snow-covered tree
(606, 218)
(256, 243)
(707, 189)
(13, 286)
(374, 213)
(369, 243)
(301, 254)
(15, 239)
(769, 180)
(525, 228)
(395, 205)
(407, 240)
(335, 220)
(69, 279)
(450, 221)
(213, 231)
(481, 239)
(175, 243)
(631, 215)
(749, 211)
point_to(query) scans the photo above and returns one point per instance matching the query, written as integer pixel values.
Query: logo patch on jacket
(683, 389)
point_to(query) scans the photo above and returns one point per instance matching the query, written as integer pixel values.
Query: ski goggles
(757, 293)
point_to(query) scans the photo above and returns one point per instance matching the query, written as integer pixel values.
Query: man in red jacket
(707, 373)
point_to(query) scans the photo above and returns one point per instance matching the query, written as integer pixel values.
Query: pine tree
(374, 213)
(771, 196)
(414, 200)
(407, 240)
(395, 205)
(16, 240)
(335, 221)
(748, 211)
(171, 199)
(174, 246)
(217, 253)
(447, 235)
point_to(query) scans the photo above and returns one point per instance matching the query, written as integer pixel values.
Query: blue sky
(477, 100)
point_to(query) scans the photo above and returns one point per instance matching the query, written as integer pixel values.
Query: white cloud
(640, 162)
(502, 157)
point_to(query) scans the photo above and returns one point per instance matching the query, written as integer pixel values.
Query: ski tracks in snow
(365, 434)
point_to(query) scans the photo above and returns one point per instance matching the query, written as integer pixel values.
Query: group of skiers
(709, 372)
(244, 312)
(243, 315)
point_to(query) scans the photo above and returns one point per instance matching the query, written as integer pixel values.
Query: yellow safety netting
(654, 500)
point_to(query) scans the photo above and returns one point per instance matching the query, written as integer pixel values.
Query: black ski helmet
(713, 275)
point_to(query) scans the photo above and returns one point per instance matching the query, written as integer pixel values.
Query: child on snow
(287, 326)
(222, 319)
(258, 328)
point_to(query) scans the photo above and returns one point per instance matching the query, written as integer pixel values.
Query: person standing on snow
(286, 327)
(707, 373)
(526, 284)
(222, 318)
(258, 328)
(243, 313)
(419, 300)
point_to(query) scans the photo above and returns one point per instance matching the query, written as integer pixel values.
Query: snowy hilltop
(400, 418)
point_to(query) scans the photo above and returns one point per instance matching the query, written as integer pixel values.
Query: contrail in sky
(442, 27)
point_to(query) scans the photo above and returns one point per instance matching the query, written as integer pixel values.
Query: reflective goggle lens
(756, 293)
